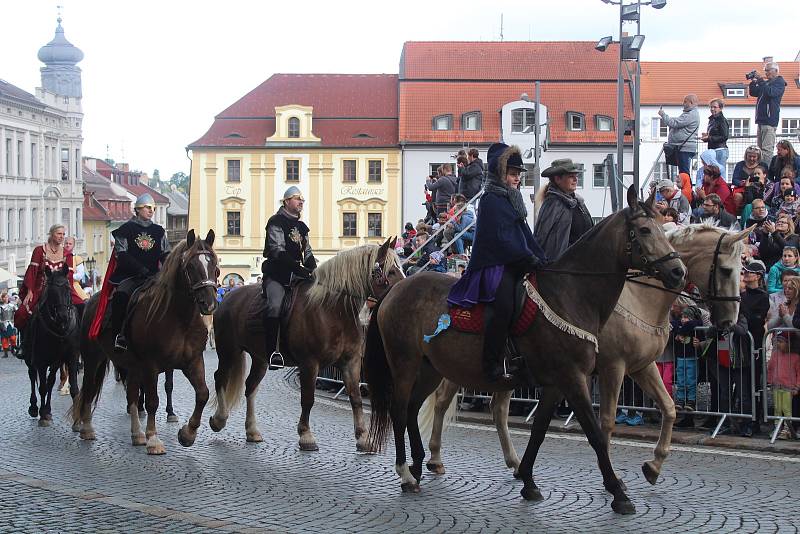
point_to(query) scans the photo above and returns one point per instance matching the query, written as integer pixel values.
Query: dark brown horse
(323, 329)
(167, 332)
(577, 294)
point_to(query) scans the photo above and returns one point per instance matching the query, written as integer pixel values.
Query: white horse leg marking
(250, 422)
(137, 436)
(405, 474)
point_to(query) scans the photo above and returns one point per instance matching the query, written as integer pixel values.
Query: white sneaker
(65, 390)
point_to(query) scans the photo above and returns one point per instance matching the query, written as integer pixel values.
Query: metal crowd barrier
(783, 361)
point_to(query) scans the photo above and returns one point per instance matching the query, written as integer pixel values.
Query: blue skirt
(476, 286)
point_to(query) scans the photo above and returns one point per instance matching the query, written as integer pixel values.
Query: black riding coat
(286, 249)
(140, 247)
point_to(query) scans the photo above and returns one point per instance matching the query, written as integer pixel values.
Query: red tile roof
(350, 110)
(333, 132)
(371, 96)
(100, 186)
(93, 210)
(421, 101)
(669, 82)
(527, 60)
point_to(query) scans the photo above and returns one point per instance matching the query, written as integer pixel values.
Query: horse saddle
(136, 297)
(471, 320)
(258, 307)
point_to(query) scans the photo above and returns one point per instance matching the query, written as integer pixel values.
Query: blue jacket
(500, 237)
(769, 94)
(774, 279)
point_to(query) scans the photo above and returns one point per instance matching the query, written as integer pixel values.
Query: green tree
(181, 181)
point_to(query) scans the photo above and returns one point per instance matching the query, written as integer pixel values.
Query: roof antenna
(501, 27)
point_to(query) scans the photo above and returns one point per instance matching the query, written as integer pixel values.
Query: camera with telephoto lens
(752, 75)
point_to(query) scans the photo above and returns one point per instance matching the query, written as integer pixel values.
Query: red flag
(105, 293)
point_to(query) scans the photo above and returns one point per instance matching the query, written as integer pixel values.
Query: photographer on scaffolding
(769, 91)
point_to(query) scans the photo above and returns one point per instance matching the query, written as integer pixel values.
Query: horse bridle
(377, 278)
(711, 292)
(208, 282)
(46, 318)
(650, 268)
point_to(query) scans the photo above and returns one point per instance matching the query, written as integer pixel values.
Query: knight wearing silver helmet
(141, 247)
(288, 256)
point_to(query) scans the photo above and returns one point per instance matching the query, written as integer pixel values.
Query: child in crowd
(790, 203)
(790, 261)
(783, 372)
(686, 361)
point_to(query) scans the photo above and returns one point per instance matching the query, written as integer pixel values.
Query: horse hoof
(44, 422)
(650, 472)
(363, 447)
(88, 436)
(156, 450)
(409, 487)
(436, 469)
(516, 474)
(76, 427)
(172, 418)
(623, 507)
(310, 447)
(531, 494)
(216, 424)
(254, 437)
(33, 411)
(185, 437)
(137, 440)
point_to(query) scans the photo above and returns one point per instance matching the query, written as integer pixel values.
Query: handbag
(671, 151)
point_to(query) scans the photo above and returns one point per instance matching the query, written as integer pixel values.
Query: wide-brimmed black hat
(559, 167)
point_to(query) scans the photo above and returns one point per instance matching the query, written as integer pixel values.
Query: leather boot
(119, 307)
(494, 342)
(272, 327)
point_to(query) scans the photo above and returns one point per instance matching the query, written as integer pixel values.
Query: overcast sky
(156, 73)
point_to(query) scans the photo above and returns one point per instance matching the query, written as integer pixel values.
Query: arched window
(471, 121)
(603, 123)
(576, 122)
(443, 122)
(294, 127)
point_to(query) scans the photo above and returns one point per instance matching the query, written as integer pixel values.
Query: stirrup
(120, 343)
(273, 366)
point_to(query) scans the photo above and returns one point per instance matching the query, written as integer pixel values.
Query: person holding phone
(780, 234)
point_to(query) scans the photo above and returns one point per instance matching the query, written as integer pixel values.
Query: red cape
(102, 305)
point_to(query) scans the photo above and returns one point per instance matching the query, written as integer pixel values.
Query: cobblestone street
(51, 481)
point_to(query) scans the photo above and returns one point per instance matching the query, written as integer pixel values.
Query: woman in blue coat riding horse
(503, 252)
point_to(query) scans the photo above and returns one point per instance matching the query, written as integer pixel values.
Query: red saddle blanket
(470, 320)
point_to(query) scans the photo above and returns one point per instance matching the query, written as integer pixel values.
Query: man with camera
(442, 187)
(682, 130)
(769, 92)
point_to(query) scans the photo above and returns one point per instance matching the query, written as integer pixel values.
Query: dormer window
(576, 122)
(733, 90)
(294, 127)
(522, 120)
(443, 122)
(471, 121)
(603, 123)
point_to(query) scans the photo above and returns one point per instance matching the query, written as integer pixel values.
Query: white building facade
(40, 156)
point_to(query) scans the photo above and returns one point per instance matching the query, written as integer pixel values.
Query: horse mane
(163, 289)
(684, 234)
(345, 278)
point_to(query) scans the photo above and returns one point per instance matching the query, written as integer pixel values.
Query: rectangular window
(78, 165)
(9, 170)
(734, 92)
(34, 160)
(789, 126)
(21, 225)
(349, 224)
(375, 170)
(659, 129)
(65, 164)
(598, 175)
(20, 153)
(526, 178)
(234, 223)
(349, 170)
(292, 170)
(234, 170)
(46, 161)
(471, 121)
(34, 233)
(739, 127)
(522, 120)
(9, 224)
(65, 221)
(374, 224)
(575, 121)
(660, 172)
(78, 222)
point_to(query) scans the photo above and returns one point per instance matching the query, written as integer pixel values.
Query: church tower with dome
(61, 74)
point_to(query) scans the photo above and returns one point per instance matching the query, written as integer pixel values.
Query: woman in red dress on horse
(52, 255)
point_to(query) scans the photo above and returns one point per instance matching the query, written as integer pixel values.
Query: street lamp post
(90, 263)
(629, 48)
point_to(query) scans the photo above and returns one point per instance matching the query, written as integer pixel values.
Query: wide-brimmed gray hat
(665, 183)
(559, 167)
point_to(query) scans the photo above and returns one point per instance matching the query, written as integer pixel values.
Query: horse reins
(195, 286)
(43, 309)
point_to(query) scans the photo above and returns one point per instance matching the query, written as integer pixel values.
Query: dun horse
(167, 332)
(580, 291)
(53, 333)
(633, 338)
(323, 329)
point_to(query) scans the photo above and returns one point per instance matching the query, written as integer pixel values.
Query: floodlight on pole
(630, 13)
(658, 4)
(603, 43)
(636, 43)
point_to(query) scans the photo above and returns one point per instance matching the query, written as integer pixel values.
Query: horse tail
(379, 380)
(89, 392)
(232, 364)
(427, 413)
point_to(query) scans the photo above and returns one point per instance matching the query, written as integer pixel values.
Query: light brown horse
(167, 332)
(323, 329)
(580, 291)
(633, 338)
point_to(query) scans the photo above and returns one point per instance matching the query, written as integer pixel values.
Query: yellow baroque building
(333, 136)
